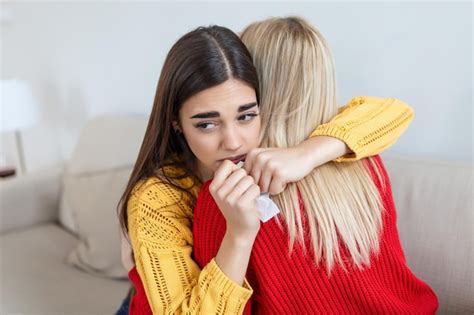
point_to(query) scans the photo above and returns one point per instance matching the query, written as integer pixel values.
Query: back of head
(298, 93)
(297, 78)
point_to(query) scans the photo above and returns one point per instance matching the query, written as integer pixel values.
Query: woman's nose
(231, 140)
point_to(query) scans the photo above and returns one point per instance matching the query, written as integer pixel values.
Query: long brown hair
(203, 58)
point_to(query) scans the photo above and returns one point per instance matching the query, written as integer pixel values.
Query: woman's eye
(248, 117)
(206, 126)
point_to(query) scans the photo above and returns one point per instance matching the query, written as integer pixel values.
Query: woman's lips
(235, 159)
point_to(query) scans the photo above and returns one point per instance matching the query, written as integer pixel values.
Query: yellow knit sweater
(160, 218)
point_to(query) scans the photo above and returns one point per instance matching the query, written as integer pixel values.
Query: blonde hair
(298, 93)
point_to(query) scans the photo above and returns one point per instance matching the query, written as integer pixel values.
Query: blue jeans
(123, 310)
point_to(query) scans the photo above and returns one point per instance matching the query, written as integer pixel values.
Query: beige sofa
(60, 251)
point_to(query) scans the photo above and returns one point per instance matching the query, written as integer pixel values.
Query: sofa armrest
(29, 200)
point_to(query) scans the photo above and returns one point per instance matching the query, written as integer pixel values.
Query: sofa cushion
(435, 222)
(37, 280)
(95, 197)
(106, 142)
(94, 180)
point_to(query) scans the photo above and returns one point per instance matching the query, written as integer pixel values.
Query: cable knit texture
(293, 284)
(167, 278)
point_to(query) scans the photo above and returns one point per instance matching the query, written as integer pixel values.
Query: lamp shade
(18, 109)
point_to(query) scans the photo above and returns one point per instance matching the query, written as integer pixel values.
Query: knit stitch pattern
(160, 221)
(293, 284)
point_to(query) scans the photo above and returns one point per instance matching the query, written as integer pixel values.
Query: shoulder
(155, 194)
(379, 174)
(359, 100)
(153, 191)
(363, 103)
(159, 213)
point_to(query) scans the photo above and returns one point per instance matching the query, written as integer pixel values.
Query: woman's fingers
(255, 163)
(250, 195)
(265, 179)
(233, 194)
(230, 182)
(276, 186)
(274, 168)
(225, 169)
(271, 172)
(249, 159)
(240, 188)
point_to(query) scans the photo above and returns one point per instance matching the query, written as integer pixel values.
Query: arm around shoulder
(368, 125)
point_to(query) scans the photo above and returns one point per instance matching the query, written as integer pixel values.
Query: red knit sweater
(138, 303)
(294, 285)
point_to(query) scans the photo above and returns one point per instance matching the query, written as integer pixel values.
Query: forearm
(322, 149)
(233, 256)
(209, 288)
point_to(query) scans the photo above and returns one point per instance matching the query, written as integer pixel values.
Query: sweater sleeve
(368, 125)
(159, 219)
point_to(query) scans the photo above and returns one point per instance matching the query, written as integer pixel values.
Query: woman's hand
(235, 193)
(128, 261)
(273, 168)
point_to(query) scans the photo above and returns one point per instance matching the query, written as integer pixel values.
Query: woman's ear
(176, 127)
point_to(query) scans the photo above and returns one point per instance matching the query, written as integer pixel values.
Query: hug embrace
(267, 98)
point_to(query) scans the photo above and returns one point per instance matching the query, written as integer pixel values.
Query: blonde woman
(334, 248)
(206, 117)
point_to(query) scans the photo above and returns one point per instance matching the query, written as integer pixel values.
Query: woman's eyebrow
(243, 108)
(214, 114)
(206, 115)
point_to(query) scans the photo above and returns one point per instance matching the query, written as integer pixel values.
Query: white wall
(83, 59)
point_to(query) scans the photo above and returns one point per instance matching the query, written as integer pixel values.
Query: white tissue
(267, 208)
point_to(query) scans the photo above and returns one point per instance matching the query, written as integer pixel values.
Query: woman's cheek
(192, 139)
(203, 147)
(256, 133)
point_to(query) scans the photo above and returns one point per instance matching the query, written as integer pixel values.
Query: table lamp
(18, 111)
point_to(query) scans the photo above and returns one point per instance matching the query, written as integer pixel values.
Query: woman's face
(221, 123)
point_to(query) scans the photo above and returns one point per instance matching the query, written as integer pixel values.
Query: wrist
(240, 240)
(323, 149)
(313, 151)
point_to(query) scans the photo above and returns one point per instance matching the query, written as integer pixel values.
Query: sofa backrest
(435, 223)
(108, 142)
